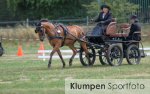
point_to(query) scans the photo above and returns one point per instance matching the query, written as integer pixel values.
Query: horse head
(44, 27)
(40, 29)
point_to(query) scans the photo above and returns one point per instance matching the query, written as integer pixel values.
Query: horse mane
(44, 20)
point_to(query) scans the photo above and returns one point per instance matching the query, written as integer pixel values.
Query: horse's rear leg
(83, 45)
(74, 53)
(59, 53)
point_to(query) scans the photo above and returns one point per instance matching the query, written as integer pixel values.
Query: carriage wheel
(133, 55)
(114, 55)
(102, 58)
(84, 60)
(1, 51)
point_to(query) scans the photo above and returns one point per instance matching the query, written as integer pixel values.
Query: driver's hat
(134, 17)
(105, 6)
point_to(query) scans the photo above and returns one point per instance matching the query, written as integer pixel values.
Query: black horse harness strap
(57, 33)
(65, 30)
(55, 37)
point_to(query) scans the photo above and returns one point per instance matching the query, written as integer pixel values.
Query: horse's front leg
(51, 55)
(59, 53)
(55, 48)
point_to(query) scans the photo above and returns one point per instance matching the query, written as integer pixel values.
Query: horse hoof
(70, 64)
(49, 66)
(63, 66)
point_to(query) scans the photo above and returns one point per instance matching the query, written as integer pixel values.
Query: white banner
(107, 86)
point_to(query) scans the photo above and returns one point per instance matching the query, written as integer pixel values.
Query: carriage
(112, 47)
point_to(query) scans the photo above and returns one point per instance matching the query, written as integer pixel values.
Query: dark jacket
(107, 19)
(135, 27)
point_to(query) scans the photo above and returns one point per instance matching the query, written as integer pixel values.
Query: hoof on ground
(70, 64)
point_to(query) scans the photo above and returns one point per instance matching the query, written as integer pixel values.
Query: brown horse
(59, 36)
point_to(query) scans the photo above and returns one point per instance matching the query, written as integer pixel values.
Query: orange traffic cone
(41, 48)
(20, 51)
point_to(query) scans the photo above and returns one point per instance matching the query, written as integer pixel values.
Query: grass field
(30, 75)
(33, 77)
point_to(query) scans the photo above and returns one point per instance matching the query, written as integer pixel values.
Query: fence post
(27, 22)
(87, 20)
(1, 39)
(87, 23)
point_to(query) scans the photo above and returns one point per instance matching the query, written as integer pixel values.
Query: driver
(135, 30)
(104, 18)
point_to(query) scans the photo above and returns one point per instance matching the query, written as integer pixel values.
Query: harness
(57, 35)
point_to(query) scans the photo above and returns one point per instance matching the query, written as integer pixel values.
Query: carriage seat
(114, 30)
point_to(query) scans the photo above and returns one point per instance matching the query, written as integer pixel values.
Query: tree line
(60, 9)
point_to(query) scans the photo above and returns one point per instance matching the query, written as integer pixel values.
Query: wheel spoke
(103, 58)
(84, 59)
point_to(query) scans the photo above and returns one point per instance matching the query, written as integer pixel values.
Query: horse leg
(74, 53)
(59, 53)
(51, 55)
(83, 45)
